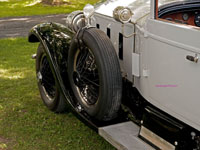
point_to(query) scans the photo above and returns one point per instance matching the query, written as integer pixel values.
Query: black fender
(56, 39)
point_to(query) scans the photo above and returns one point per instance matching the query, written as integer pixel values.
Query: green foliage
(25, 123)
(36, 7)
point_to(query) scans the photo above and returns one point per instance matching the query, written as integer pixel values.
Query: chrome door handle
(192, 58)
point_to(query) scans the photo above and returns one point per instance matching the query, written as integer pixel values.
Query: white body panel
(128, 46)
(173, 82)
(162, 75)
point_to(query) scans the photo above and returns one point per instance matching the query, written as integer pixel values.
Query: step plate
(155, 139)
(124, 136)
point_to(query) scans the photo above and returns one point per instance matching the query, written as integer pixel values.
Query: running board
(124, 136)
(154, 139)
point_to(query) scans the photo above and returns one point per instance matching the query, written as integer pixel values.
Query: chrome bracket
(127, 36)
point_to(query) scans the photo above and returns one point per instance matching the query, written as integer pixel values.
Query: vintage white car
(126, 60)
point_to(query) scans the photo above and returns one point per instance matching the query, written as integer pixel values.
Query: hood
(140, 8)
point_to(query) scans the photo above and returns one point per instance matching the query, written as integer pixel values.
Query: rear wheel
(47, 85)
(95, 76)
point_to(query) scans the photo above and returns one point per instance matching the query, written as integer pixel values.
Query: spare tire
(94, 74)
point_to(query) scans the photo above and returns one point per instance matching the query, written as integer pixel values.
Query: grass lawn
(25, 123)
(33, 7)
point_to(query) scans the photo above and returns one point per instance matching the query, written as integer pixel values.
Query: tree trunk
(56, 2)
(52, 2)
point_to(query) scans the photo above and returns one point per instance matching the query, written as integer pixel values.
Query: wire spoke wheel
(47, 85)
(47, 79)
(85, 76)
(94, 74)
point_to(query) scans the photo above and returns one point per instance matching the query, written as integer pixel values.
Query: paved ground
(20, 26)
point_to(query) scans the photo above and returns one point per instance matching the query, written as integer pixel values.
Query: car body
(156, 55)
(157, 48)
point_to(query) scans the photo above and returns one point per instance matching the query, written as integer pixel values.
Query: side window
(178, 11)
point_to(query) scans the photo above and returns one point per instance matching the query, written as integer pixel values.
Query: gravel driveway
(20, 26)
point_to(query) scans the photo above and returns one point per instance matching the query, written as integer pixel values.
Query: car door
(172, 51)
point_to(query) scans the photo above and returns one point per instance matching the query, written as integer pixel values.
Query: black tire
(47, 85)
(96, 81)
